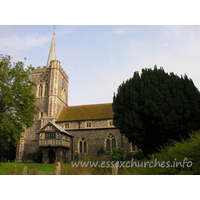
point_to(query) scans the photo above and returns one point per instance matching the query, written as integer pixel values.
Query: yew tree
(154, 107)
(17, 106)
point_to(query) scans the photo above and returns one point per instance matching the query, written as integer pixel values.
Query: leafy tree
(118, 154)
(154, 107)
(17, 106)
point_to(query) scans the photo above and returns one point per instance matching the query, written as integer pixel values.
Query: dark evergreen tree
(17, 106)
(154, 107)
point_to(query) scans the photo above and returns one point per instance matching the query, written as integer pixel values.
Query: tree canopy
(17, 106)
(154, 107)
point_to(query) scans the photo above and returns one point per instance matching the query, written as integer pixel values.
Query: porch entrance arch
(52, 156)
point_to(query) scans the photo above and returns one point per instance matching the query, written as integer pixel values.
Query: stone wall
(82, 124)
(30, 133)
(94, 136)
(49, 105)
(52, 104)
(30, 145)
(95, 139)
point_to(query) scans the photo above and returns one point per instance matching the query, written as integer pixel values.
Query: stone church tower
(51, 92)
(63, 131)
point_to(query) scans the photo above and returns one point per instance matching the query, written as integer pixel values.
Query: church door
(51, 156)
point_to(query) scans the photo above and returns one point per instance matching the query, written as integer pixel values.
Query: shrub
(129, 156)
(88, 158)
(118, 154)
(139, 156)
(175, 153)
(76, 156)
(36, 156)
(101, 151)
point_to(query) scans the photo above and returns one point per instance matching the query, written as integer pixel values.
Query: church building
(63, 130)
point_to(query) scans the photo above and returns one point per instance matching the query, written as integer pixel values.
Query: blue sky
(98, 59)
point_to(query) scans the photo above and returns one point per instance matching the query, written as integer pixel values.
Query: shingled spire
(52, 52)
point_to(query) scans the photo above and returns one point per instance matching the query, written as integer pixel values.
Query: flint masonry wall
(82, 124)
(94, 136)
(96, 139)
(49, 105)
(58, 82)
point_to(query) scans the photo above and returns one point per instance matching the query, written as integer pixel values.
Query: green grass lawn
(49, 169)
(34, 168)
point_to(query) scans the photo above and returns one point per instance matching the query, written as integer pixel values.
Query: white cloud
(124, 30)
(30, 39)
(118, 31)
(23, 42)
(177, 51)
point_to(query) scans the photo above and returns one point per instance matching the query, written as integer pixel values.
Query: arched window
(82, 146)
(63, 94)
(107, 145)
(110, 142)
(113, 143)
(40, 115)
(40, 91)
(46, 90)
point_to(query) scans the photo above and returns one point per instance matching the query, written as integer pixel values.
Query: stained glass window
(80, 146)
(40, 91)
(46, 90)
(113, 143)
(110, 142)
(84, 146)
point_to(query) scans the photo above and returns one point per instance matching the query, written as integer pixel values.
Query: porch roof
(59, 128)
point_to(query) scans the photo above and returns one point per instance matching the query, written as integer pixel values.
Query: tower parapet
(51, 92)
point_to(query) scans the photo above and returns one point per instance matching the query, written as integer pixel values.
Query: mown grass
(49, 169)
(176, 151)
(34, 168)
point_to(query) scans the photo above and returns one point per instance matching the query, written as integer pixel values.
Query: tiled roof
(60, 128)
(32, 150)
(86, 112)
(56, 126)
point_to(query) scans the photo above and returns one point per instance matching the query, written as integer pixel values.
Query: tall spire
(52, 52)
